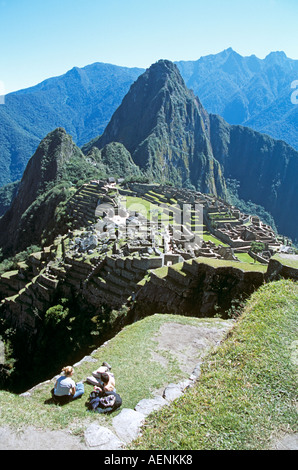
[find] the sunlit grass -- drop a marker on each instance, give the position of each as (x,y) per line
(247,392)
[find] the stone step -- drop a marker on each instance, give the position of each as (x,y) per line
(115,288)
(157,280)
(129,275)
(104,288)
(75,275)
(59,272)
(117,280)
(90,189)
(84,203)
(174,285)
(24,298)
(84,212)
(190,267)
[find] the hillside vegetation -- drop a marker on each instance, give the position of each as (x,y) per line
(247,393)
(82,101)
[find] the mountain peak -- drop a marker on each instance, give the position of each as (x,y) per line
(160,72)
(276,56)
(44,170)
(45,166)
(165,64)
(165,128)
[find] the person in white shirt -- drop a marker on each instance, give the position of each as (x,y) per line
(65,385)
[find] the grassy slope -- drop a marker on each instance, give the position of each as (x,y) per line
(247,392)
(137,375)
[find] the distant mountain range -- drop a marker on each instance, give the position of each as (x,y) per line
(162,133)
(246,90)
(243,90)
(82,102)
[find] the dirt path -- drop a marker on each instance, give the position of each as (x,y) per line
(36,439)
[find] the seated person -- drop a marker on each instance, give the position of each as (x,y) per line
(65,388)
(102,377)
(107,383)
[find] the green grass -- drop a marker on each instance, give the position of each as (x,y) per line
(246,258)
(219,263)
(287,260)
(208,237)
(247,392)
(139,204)
(137,376)
(215,263)
(9,274)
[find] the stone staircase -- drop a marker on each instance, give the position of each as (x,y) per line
(31,301)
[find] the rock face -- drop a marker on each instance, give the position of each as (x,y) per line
(114,159)
(285,266)
(165,128)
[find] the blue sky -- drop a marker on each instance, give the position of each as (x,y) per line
(44,38)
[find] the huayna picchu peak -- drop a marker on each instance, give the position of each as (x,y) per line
(32,209)
(164,127)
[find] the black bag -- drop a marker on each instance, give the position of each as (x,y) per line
(104,402)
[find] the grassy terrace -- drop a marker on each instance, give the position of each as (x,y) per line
(286,260)
(246,258)
(247,393)
(215,263)
(219,263)
(138,374)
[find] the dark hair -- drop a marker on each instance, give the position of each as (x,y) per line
(105,377)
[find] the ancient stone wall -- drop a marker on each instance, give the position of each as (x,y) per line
(197,288)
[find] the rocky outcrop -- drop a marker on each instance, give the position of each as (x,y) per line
(32,210)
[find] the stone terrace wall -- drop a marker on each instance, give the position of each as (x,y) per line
(198,289)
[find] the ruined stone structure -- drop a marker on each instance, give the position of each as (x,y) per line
(112,253)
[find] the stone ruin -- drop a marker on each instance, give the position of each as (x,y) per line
(145,238)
